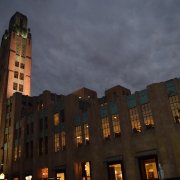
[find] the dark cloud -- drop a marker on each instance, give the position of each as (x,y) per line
(99,44)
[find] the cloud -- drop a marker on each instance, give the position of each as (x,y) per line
(99,44)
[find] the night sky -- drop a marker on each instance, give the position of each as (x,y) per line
(99,43)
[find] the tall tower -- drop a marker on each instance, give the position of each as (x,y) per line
(15,60)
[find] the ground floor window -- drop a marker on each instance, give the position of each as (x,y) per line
(149,168)
(28,177)
(44,173)
(86,170)
(60,176)
(115,171)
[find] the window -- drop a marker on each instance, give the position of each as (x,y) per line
(115,171)
(46,122)
(21,76)
(46,145)
(31,149)
(56,142)
(40,124)
(86,170)
(44,173)
(105,128)
(60,175)
(175,108)
(15,74)
(27,150)
(41,146)
(28,177)
(116,125)
(78,135)
(20,87)
(148,168)
(86,133)
(135,122)
(16,63)
(15,86)
(56,119)
(63,140)
(15,153)
(147,116)
(22,66)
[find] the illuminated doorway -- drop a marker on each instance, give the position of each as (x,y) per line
(148,168)
(60,176)
(115,171)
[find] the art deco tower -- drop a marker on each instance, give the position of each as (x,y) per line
(15,59)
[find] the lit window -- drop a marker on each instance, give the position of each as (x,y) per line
(86,170)
(105,128)
(15,86)
(147,116)
(86,133)
(60,176)
(56,119)
(28,177)
(21,76)
(116,125)
(44,173)
(135,122)
(78,135)
(149,168)
(115,171)
(20,87)
(63,140)
(56,142)
(15,74)
(175,108)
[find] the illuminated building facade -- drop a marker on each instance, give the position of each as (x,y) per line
(15,60)
(120,136)
(15,64)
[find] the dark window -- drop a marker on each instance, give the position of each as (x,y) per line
(22,66)
(20,87)
(27,150)
(15,74)
(27,129)
(40,146)
(16,63)
(15,86)
(21,76)
(31,149)
(40,124)
(46,145)
(46,122)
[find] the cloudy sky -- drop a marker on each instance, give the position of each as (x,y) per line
(99,43)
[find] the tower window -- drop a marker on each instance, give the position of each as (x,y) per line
(21,88)
(135,121)
(16,63)
(21,76)
(105,127)
(15,74)
(15,86)
(22,66)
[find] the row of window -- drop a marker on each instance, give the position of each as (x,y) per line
(148,167)
(15,87)
(21,65)
(18,75)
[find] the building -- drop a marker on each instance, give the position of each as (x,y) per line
(120,136)
(15,59)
